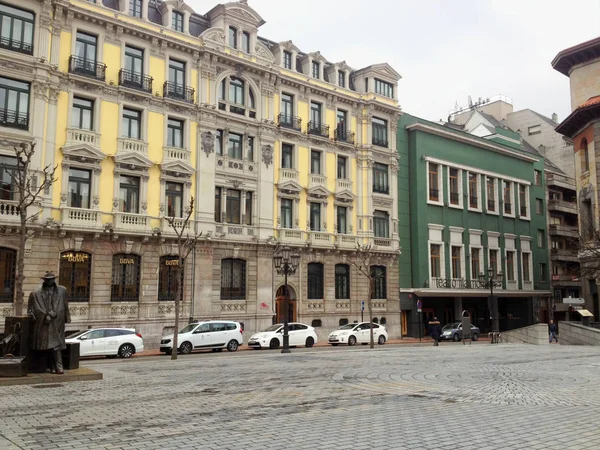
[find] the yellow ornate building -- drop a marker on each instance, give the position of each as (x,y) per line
(143,104)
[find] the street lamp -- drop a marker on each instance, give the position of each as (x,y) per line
(491,280)
(286,263)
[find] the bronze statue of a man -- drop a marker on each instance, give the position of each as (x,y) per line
(49,311)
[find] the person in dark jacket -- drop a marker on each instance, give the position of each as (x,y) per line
(552,330)
(435,331)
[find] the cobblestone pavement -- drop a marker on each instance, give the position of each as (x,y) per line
(452,396)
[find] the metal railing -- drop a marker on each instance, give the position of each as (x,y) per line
(87,67)
(178,92)
(135,80)
(14,119)
(381,188)
(454,198)
(16,46)
(381,142)
(341,134)
(318,129)
(287,121)
(434,194)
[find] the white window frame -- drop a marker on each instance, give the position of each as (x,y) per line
(527,202)
(512,199)
(478,189)
(496,199)
(460,187)
(462,261)
(440,202)
(436,237)
(527,284)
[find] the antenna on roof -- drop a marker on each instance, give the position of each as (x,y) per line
(470,102)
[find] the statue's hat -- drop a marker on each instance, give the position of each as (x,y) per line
(49,276)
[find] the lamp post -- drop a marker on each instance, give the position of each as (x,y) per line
(491,280)
(286,263)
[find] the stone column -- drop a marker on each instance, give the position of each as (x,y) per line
(458,308)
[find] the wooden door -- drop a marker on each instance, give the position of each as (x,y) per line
(280,309)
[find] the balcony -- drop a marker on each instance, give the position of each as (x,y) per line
(15,45)
(288,174)
(564,254)
(291,236)
(342,135)
(10,212)
(134,80)
(560,181)
(320,239)
(562,206)
(317,180)
(345,241)
(178,92)
(81,218)
(87,68)
(79,136)
(129,145)
(563,230)
(14,119)
(386,243)
(318,129)
(291,122)
(176,154)
(343,185)
(380,142)
(233,230)
(566,280)
(128,222)
(179,223)
(237,109)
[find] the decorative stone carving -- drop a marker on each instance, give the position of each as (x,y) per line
(267,155)
(208,143)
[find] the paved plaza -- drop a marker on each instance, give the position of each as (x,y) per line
(394,397)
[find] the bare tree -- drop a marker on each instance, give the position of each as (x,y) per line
(186,243)
(361,259)
(26,188)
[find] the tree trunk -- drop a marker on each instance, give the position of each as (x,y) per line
(371,340)
(19,300)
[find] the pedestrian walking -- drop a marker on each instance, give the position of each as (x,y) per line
(552,330)
(435,331)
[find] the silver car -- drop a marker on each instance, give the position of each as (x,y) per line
(454,331)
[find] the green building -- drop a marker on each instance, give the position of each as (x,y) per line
(469,206)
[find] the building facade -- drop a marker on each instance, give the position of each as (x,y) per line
(144,104)
(478,212)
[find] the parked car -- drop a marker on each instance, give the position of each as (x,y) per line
(212,335)
(272,337)
(454,331)
(110,342)
(360,333)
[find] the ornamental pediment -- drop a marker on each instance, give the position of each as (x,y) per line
(345,196)
(132,161)
(290,187)
(213,37)
(81,152)
(177,168)
(318,192)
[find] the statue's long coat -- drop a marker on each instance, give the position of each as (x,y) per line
(53,302)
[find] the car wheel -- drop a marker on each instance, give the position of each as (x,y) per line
(455,337)
(274,344)
(232,346)
(351,340)
(309,342)
(335,345)
(381,340)
(126,350)
(475,336)
(185,348)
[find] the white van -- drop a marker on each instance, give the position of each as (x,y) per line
(212,335)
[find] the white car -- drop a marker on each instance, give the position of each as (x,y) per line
(212,335)
(360,333)
(272,337)
(123,342)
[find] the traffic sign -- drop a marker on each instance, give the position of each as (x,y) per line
(363,306)
(419,304)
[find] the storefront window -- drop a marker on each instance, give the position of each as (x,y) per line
(75,274)
(125,285)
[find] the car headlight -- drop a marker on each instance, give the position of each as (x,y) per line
(446,333)
(165,341)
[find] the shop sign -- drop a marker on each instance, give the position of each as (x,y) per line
(126,261)
(75,257)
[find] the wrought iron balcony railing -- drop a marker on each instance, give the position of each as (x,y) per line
(381,142)
(318,129)
(14,119)
(135,80)
(434,195)
(16,46)
(454,198)
(287,121)
(178,92)
(381,188)
(341,134)
(87,67)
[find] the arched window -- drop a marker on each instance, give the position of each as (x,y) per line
(8,265)
(378,273)
(584,155)
(315,281)
(167,278)
(125,285)
(237,97)
(233,279)
(342,281)
(75,275)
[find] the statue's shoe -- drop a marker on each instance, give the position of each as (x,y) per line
(60,372)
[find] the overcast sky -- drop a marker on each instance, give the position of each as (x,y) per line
(445,50)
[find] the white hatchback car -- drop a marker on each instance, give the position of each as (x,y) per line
(272,337)
(110,342)
(212,335)
(354,333)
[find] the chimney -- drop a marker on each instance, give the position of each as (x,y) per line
(554,117)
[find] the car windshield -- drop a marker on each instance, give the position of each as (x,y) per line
(189,328)
(348,326)
(273,328)
(450,326)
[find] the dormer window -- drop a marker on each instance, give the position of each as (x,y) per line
(233,37)
(246,42)
(236,97)
(135,8)
(341,78)
(383,88)
(177,21)
(316,69)
(287,60)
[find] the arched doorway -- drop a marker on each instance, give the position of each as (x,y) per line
(280,304)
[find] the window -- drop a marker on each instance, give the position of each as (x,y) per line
(475,267)
(341,78)
(134,64)
(341,219)
(342,162)
(380,178)
(456,262)
(522,200)
(315,115)
(538,177)
(86,50)
(378,273)
(541,238)
(75,274)
(234,149)
(16,29)
(125,284)
(8,265)
(494,261)
(341,131)
(454,186)
(526,267)
(507,198)
(287,59)
(315,216)
(539,206)
(83,113)
(535,129)
(287,156)
(435,260)
(510,266)
(434,185)
(233,279)
(177,75)
(491,194)
(232,206)
(178,21)
(315,162)
(219,143)
(342,281)
(175,133)
(218,204)
(174,199)
(248,210)
(381,224)
(135,8)
(129,194)
(8,188)
(250,149)
(233,37)
(79,188)
(543,273)
(383,88)
(287,108)
(168,284)
(473,190)
(246,42)
(131,123)
(236,91)
(380,132)
(316,69)
(14,103)
(315,281)
(584,155)
(286,213)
